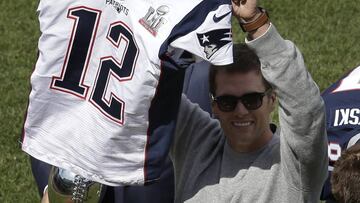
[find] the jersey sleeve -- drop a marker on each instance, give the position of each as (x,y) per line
(205,31)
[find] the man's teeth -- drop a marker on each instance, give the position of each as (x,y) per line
(242,124)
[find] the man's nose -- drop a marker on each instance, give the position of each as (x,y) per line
(240,109)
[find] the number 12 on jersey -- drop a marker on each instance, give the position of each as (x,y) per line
(71,80)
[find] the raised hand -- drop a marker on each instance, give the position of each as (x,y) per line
(245,9)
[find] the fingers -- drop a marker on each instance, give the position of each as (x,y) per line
(45,198)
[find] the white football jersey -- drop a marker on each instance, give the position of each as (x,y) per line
(105,91)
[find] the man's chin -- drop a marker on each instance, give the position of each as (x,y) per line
(241,142)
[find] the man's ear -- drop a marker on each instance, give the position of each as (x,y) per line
(214,108)
(272,99)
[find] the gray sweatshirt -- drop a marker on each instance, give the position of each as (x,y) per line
(290,168)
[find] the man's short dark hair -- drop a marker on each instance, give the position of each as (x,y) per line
(245,60)
(345,179)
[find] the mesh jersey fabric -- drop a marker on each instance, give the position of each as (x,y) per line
(105,90)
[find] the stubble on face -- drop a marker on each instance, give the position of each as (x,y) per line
(245,130)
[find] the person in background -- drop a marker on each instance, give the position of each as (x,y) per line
(345,179)
(238,156)
(342,102)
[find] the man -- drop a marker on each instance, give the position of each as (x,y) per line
(345,179)
(239,156)
(342,101)
(103,78)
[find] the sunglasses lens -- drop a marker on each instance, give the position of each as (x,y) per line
(227,103)
(252,101)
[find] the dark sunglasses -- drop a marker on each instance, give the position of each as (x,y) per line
(251,101)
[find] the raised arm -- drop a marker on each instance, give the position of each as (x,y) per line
(301,109)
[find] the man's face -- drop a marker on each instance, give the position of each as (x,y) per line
(245,130)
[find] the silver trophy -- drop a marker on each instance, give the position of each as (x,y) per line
(67,187)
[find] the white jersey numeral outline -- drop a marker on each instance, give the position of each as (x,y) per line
(334,153)
(79,52)
(78,56)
